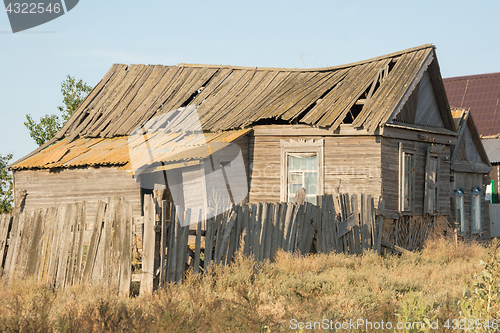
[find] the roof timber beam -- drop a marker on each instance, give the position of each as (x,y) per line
(419,133)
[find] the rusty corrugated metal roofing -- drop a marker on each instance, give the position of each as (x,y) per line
(166,147)
(480,94)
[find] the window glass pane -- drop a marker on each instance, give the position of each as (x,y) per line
(433,168)
(460,212)
(311,200)
(433,162)
(476,213)
(311,184)
(295,177)
(293,189)
(407,181)
(302,162)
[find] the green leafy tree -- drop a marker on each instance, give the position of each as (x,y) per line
(74,92)
(6,185)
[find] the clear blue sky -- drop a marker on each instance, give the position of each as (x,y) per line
(86,41)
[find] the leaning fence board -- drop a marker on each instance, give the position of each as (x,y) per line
(280,222)
(182,244)
(197,245)
(126,259)
(163,241)
(148,245)
(287,225)
(235,235)
(94,242)
(5,222)
(209,237)
(380,224)
(172,253)
(226,233)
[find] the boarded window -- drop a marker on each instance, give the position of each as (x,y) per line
(406,181)
(476,211)
(303,173)
(459,211)
(431,200)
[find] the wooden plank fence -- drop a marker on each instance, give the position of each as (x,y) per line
(47,245)
(258,230)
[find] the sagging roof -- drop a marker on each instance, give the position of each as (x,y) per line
(469,152)
(172,149)
(229,97)
(492,146)
(365,94)
(480,94)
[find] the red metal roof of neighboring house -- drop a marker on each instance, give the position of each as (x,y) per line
(480,94)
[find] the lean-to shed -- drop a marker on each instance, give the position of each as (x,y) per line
(382,126)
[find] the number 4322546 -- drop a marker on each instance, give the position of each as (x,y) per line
(33,8)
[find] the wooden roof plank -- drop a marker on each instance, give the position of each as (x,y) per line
(208,109)
(384,90)
(95,109)
(218,118)
(405,83)
(147,94)
(153,101)
(107,109)
(80,111)
(312,117)
(310,97)
(365,76)
(243,97)
(295,94)
(135,92)
(250,96)
(272,96)
(378,106)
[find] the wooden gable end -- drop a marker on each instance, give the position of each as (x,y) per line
(466,149)
(469,154)
(421,108)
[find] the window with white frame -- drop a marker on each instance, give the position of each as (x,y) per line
(406,179)
(476,211)
(459,210)
(302,173)
(301,167)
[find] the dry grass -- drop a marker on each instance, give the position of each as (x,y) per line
(253,297)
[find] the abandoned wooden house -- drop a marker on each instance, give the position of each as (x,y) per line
(469,172)
(382,126)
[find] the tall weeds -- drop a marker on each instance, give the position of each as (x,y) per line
(260,297)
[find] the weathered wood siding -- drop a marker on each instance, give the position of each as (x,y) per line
(61,186)
(351,165)
(390,176)
(467,181)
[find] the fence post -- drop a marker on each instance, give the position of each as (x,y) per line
(163,245)
(148,246)
(380,224)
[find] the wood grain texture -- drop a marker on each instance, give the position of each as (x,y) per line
(46,188)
